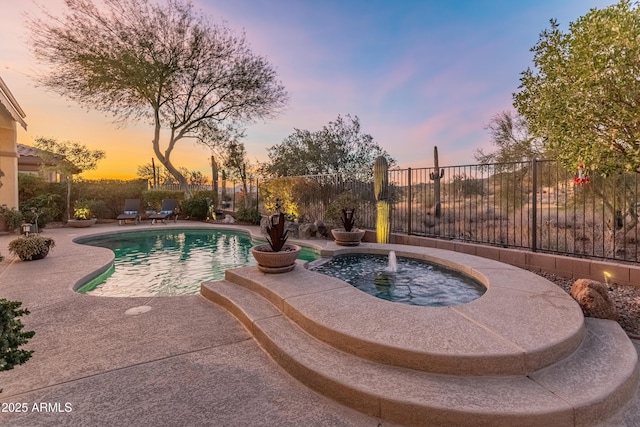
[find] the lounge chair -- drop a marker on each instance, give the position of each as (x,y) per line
(169,209)
(131,211)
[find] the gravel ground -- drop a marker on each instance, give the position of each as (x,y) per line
(625,297)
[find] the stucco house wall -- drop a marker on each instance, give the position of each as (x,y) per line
(10,115)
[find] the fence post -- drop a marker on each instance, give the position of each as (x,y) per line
(534,209)
(409,202)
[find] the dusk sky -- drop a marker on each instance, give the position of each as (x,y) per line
(416,73)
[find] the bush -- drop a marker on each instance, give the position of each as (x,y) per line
(197,206)
(250,215)
(12,336)
(30,186)
(12,217)
(109,194)
(345,200)
(45,207)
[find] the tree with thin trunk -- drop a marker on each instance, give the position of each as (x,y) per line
(164,63)
(68,159)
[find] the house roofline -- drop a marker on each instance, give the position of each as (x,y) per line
(9,102)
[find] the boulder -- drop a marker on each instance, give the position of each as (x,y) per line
(292,228)
(228,219)
(594,300)
(265,221)
(321,228)
(307,231)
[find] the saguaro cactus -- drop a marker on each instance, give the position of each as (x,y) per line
(436,175)
(381,190)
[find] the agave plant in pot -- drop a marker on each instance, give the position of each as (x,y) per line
(349,235)
(276,256)
(31,247)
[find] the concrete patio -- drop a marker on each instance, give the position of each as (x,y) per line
(186,361)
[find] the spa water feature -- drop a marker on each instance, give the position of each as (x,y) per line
(404,280)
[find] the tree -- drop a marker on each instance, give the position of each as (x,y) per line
(339,147)
(165,178)
(67,158)
(167,64)
(511,139)
(237,163)
(584,95)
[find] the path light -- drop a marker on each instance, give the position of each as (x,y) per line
(607,279)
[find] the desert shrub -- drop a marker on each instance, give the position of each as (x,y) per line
(197,206)
(45,207)
(152,199)
(248,214)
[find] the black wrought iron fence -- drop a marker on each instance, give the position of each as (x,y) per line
(536,205)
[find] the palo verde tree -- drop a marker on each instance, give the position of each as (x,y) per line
(583,96)
(583,99)
(511,140)
(68,158)
(237,163)
(339,147)
(164,63)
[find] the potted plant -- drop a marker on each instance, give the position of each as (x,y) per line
(349,235)
(31,247)
(10,219)
(276,256)
(81,215)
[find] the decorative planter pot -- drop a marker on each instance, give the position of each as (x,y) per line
(347,238)
(276,262)
(40,255)
(81,223)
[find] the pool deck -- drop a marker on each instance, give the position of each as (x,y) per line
(186,361)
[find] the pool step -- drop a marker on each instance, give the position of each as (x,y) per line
(583,389)
(544,326)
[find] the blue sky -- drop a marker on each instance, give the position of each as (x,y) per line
(416,73)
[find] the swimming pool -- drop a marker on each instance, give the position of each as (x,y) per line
(170,262)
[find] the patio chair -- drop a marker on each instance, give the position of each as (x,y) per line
(131,211)
(169,209)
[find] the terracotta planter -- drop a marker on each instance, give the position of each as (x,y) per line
(347,238)
(81,223)
(276,262)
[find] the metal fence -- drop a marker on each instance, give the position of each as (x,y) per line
(536,205)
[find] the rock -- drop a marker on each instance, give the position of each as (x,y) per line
(292,228)
(265,221)
(321,228)
(594,300)
(307,231)
(228,219)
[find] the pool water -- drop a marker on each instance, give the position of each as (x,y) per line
(415,282)
(171,262)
